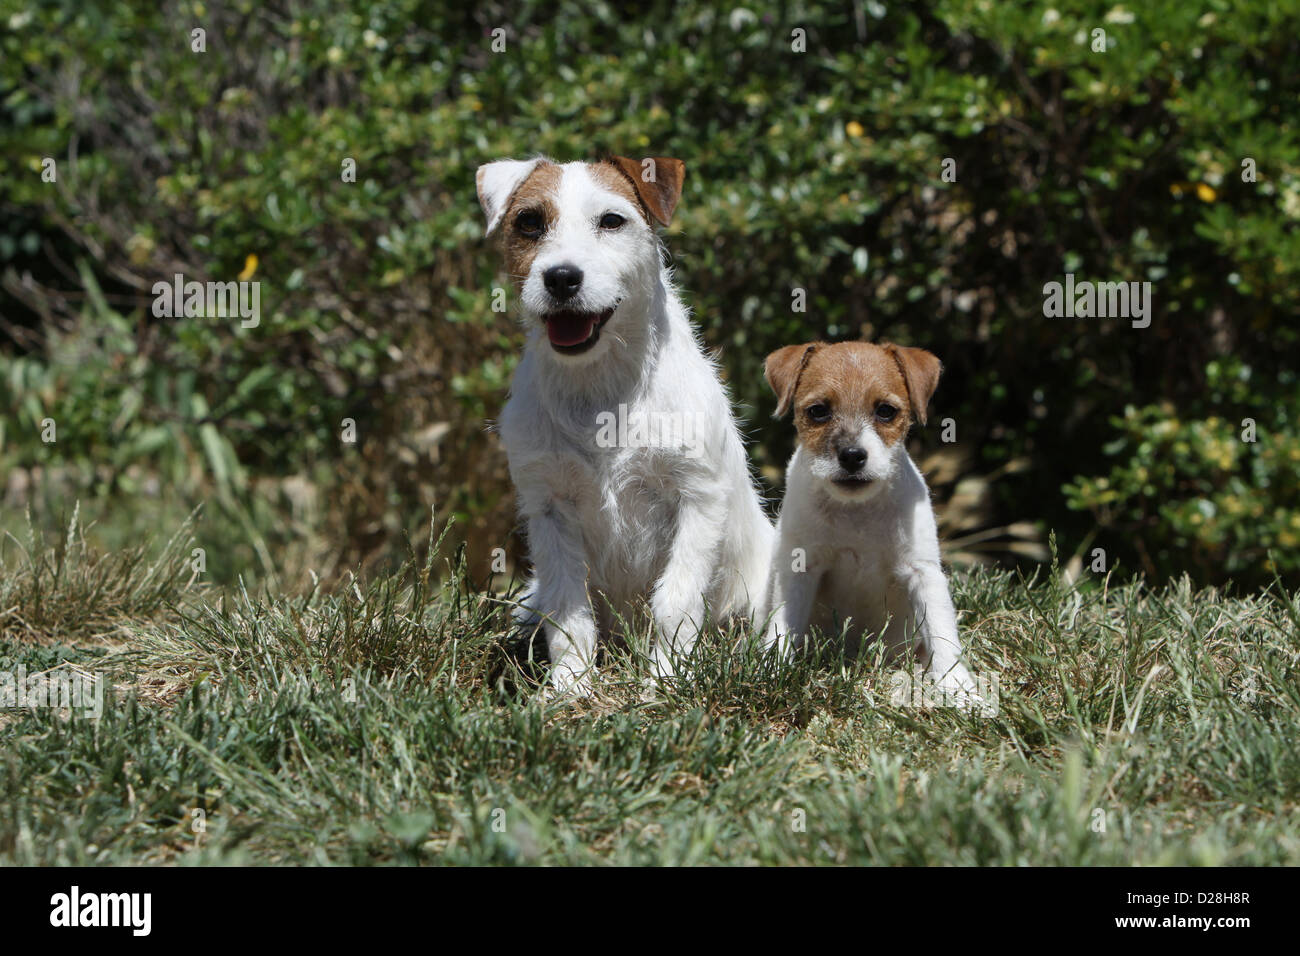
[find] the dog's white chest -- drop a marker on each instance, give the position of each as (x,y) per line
(854,584)
(624,499)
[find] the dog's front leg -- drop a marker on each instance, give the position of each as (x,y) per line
(793,592)
(561,599)
(933,623)
(678,599)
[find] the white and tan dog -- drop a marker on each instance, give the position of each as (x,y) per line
(618,511)
(856,539)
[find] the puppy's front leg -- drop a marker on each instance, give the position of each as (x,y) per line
(560,597)
(933,622)
(793,592)
(678,599)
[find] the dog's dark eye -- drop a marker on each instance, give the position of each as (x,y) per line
(819,412)
(611,220)
(886,412)
(529,223)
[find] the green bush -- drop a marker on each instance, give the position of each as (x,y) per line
(818,170)
(1213,495)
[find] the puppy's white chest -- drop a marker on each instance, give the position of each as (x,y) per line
(854,583)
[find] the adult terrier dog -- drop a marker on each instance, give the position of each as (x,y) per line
(617,516)
(856,538)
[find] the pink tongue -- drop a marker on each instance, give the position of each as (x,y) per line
(570,328)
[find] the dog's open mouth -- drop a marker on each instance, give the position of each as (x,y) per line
(573,332)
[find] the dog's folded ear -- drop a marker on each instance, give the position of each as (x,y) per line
(782,370)
(658,182)
(497,182)
(921,374)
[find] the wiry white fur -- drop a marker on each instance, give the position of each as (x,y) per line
(881,467)
(612,528)
(869,556)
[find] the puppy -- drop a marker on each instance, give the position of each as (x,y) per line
(629,468)
(856,539)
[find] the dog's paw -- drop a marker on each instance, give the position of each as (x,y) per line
(781,642)
(650,690)
(666,665)
(571,681)
(773,638)
(678,628)
(524,613)
(678,612)
(957,689)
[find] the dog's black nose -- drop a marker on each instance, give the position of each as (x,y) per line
(852,459)
(562,282)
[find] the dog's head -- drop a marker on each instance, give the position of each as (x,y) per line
(580,241)
(853,404)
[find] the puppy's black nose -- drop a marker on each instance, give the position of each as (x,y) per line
(562,282)
(852,459)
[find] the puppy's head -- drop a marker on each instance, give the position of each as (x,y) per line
(853,403)
(580,242)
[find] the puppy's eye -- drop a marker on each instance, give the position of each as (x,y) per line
(886,412)
(611,220)
(529,223)
(818,412)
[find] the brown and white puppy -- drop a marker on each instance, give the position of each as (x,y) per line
(629,468)
(857,539)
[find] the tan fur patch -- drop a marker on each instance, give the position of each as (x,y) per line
(537,192)
(657,199)
(609,176)
(854,379)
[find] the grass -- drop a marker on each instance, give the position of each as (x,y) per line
(399,721)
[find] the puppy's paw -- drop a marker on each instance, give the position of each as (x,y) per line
(957,688)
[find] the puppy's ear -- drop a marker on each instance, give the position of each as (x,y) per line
(658,181)
(782,370)
(921,374)
(497,182)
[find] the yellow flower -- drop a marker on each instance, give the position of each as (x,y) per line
(854,129)
(1205,192)
(250,266)
(140,249)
